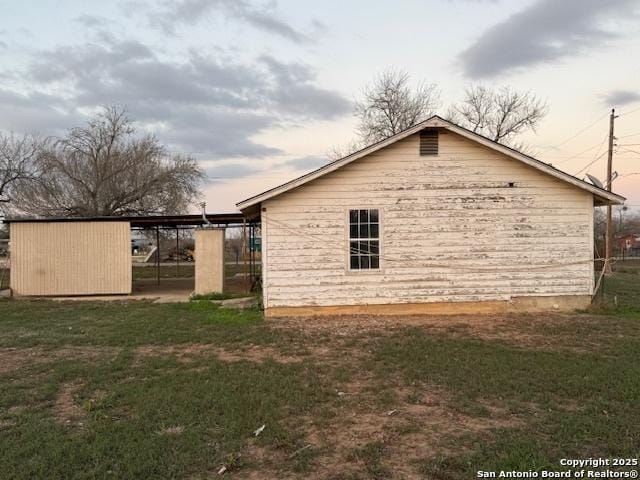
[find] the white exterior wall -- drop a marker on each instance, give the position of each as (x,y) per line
(451,230)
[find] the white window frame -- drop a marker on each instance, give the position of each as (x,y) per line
(366,271)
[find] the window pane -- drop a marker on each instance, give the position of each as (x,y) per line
(364,254)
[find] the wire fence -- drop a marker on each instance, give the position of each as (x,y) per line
(621,290)
(4,278)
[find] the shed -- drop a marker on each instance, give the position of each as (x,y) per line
(69,256)
(435,219)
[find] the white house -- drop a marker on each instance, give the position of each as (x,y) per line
(436,219)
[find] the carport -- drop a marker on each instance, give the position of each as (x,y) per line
(88,256)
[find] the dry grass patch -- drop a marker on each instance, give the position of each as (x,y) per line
(12,359)
(552,331)
(420,425)
(187,353)
(173,430)
(65,409)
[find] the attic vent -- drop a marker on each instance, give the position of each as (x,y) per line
(428,142)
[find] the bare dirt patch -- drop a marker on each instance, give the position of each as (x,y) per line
(529,331)
(65,408)
(187,353)
(408,433)
(16,358)
(7,424)
(173,430)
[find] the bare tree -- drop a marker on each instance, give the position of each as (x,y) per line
(18,162)
(106,169)
(234,244)
(599,232)
(499,114)
(390,105)
(340,151)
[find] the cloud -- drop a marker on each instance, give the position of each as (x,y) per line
(230,171)
(617,98)
(92,21)
(544,32)
(297,95)
(35,113)
(176,13)
(310,162)
(206,104)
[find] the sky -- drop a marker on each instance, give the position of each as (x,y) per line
(259,92)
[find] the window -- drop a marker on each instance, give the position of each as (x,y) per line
(364,239)
(428,142)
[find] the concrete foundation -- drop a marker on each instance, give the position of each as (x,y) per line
(209,253)
(564,303)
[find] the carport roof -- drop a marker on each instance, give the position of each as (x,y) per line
(147,221)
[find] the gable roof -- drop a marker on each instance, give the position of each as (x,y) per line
(604,197)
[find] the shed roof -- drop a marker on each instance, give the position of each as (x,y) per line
(144,221)
(601,196)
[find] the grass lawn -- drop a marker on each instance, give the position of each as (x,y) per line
(621,292)
(142,390)
(184,270)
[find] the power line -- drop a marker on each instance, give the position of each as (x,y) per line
(629,113)
(588,127)
(590,163)
(597,145)
(631,151)
(630,135)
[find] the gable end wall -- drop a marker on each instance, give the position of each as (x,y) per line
(452,231)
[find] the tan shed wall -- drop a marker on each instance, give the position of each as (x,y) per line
(71,258)
(209,260)
(452,230)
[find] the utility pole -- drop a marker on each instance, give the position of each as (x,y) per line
(609,239)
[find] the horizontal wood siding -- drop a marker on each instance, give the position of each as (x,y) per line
(83,258)
(452,230)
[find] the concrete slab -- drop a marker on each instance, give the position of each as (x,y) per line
(170,290)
